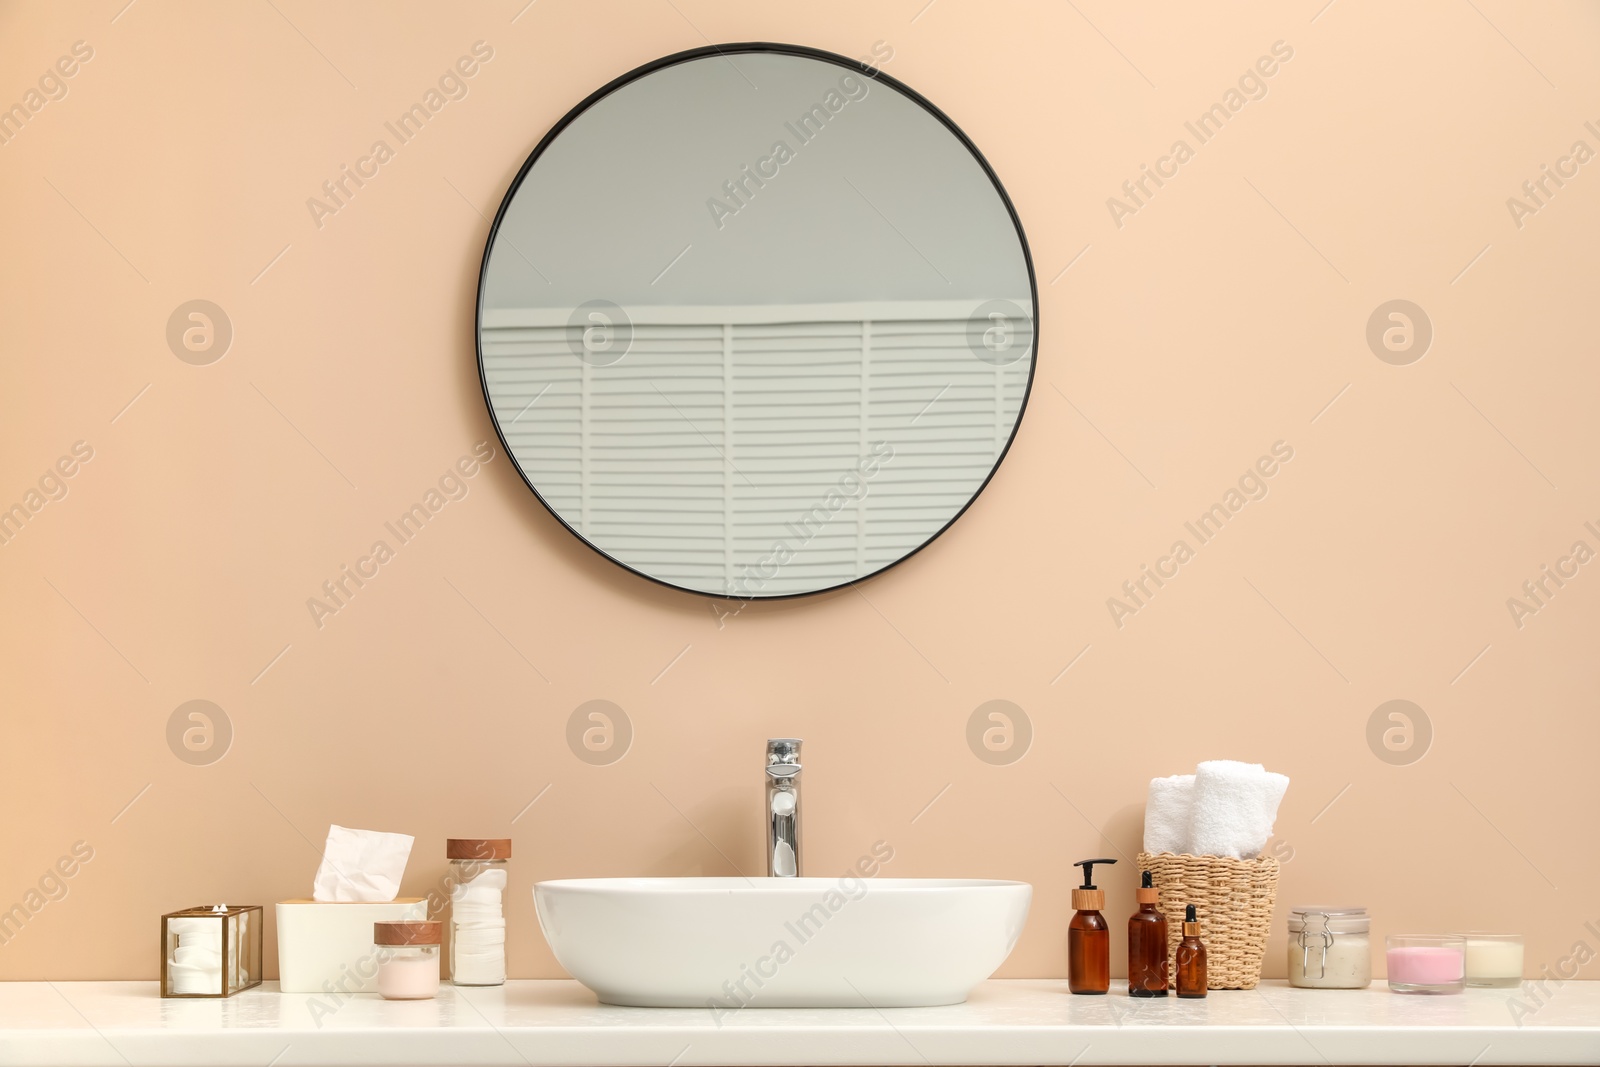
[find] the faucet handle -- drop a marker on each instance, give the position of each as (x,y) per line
(783,757)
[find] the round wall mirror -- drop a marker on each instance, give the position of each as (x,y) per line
(756,321)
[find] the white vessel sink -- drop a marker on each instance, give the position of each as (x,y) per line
(728,943)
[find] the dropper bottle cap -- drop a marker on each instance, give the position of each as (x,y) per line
(1191,925)
(1088,897)
(1147,893)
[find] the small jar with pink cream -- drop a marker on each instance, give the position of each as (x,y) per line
(408,958)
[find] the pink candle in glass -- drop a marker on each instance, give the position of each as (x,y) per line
(1426,963)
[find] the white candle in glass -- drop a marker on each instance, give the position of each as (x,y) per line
(1494,959)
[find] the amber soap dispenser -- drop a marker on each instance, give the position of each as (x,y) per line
(1147,944)
(1191,958)
(1088,937)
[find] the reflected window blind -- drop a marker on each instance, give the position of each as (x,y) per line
(724,451)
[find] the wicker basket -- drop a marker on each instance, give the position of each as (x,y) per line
(1233,900)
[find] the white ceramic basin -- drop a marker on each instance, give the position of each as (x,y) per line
(728,943)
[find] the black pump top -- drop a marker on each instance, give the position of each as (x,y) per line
(1145,882)
(1088,872)
(1188,914)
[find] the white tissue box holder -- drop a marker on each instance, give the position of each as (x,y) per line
(322,942)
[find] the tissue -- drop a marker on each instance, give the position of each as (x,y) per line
(361,865)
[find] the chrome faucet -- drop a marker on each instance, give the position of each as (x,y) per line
(783,807)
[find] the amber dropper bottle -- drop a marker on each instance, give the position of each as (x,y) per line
(1147,944)
(1089,937)
(1191,958)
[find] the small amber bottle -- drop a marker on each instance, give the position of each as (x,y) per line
(1089,937)
(1191,959)
(1147,944)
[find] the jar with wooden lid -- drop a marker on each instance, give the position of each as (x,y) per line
(408,958)
(478,871)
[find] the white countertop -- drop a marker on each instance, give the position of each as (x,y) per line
(1034,1021)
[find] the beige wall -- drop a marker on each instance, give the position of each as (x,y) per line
(1226,314)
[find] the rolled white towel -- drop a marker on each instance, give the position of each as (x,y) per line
(1167,812)
(1234,807)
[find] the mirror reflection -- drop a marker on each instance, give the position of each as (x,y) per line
(756,323)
